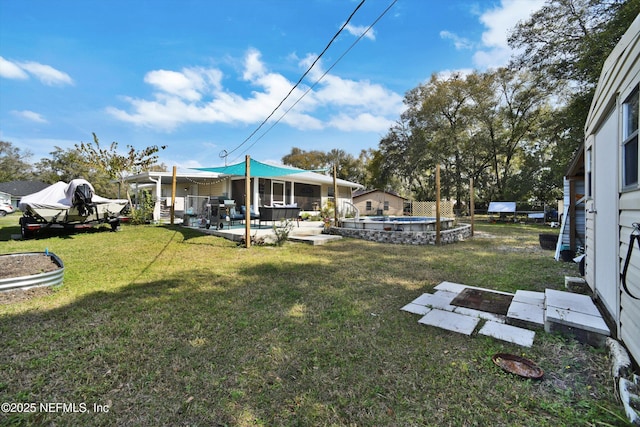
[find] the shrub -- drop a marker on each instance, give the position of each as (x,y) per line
(282,229)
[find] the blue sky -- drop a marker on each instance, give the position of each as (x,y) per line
(199,76)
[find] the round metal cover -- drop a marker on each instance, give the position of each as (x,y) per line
(518,365)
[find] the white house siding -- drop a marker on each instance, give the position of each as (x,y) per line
(619,77)
(630,308)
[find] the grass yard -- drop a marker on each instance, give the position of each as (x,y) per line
(165,326)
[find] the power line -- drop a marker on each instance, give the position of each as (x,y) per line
(320,78)
(300,80)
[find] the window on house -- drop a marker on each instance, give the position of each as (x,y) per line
(369,207)
(630,141)
(386,205)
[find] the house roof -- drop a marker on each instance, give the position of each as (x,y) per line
(621,63)
(576,167)
(22,188)
(361,193)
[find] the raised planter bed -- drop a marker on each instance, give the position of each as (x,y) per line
(30,269)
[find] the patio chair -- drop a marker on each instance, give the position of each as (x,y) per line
(235,216)
(252,213)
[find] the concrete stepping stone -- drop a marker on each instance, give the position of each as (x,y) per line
(457,288)
(438,300)
(575,314)
(570,301)
(450,321)
(450,287)
(529,297)
(577,320)
(416,309)
(512,334)
(525,315)
(481,314)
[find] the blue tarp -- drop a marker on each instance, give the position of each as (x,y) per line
(257,168)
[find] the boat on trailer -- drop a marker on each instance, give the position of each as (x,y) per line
(70,206)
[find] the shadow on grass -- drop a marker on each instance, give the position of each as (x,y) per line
(285,343)
(286,339)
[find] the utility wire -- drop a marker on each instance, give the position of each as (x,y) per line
(321,77)
(300,80)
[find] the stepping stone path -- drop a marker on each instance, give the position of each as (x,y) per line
(552,310)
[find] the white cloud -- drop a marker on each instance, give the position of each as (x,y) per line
(365,122)
(196,95)
(9,70)
(449,74)
(46,73)
(30,115)
(500,21)
(358,30)
(190,84)
(253,65)
(460,43)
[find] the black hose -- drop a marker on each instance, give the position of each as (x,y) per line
(635,235)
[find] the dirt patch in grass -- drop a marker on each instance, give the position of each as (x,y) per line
(25,265)
(20,295)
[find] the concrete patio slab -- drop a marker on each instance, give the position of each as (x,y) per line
(525,315)
(422,299)
(577,320)
(441,301)
(529,297)
(450,321)
(565,312)
(569,301)
(457,288)
(450,287)
(512,334)
(416,309)
(316,239)
(481,314)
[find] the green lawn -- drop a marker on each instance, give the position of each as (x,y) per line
(165,326)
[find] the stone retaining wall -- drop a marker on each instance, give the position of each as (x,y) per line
(459,233)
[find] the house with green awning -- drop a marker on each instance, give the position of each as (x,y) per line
(269,185)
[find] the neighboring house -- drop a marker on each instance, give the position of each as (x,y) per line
(17,189)
(572,228)
(612,177)
(378,202)
(270,185)
(5,197)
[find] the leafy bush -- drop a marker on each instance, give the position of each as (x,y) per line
(144,210)
(282,229)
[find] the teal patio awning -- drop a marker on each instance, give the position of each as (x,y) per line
(258,169)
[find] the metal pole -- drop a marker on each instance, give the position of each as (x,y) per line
(472,205)
(438,227)
(247,200)
(335,197)
(173,195)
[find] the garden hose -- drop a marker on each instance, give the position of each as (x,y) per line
(635,235)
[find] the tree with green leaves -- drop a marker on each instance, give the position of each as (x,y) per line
(308,160)
(566,42)
(348,167)
(480,126)
(118,166)
(14,163)
(67,164)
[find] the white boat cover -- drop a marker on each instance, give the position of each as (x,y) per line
(60,196)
